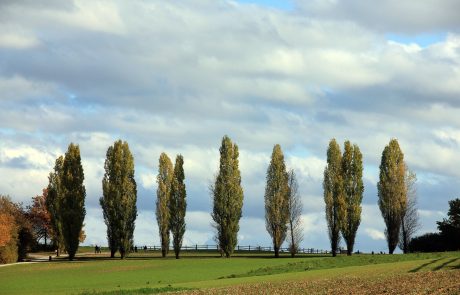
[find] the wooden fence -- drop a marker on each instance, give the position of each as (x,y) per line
(238,248)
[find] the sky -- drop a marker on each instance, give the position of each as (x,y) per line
(176,76)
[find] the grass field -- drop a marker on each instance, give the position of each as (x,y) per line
(208,273)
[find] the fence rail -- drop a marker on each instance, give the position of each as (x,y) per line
(239,248)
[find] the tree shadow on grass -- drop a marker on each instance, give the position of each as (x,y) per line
(439,267)
(425,265)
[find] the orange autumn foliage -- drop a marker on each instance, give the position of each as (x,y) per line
(6,228)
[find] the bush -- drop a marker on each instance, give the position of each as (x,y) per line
(430,242)
(8,239)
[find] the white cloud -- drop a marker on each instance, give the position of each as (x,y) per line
(16,41)
(374,234)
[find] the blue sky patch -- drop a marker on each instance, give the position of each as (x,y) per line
(423,40)
(279,4)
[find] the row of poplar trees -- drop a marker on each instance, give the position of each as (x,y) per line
(171,203)
(283,207)
(343,194)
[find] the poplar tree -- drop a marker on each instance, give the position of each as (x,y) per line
(410,219)
(352,173)
(178,205)
(72,205)
(277,199)
(392,192)
(119,198)
(227,195)
(295,235)
(164,179)
(53,200)
(334,195)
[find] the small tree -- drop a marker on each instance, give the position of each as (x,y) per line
(72,205)
(164,179)
(334,196)
(277,199)
(178,205)
(119,198)
(352,175)
(227,195)
(410,219)
(40,217)
(392,192)
(295,235)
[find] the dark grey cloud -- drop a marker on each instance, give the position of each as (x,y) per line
(409,17)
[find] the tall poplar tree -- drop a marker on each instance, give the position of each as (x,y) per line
(334,194)
(164,179)
(178,205)
(53,200)
(277,199)
(352,173)
(227,195)
(119,198)
(295,235)
(392,191)
(72,205)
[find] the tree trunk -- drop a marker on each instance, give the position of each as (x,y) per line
(293,246)
(112,253)
(277,251)
(349,249)
(163,252)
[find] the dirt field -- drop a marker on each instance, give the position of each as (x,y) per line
(431,282)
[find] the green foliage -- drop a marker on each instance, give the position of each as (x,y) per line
(164,180)
(72,203)
(392,191)
(178,205)
(119,198)
(277,199)
(450,227)
(53,201)
(227,195)
(352,174)
(334,195)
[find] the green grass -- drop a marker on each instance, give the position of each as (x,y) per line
(147,273)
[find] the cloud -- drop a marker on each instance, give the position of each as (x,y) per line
(16,41)
(374,234)
(389,15)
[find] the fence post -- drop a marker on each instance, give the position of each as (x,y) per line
(196,247)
